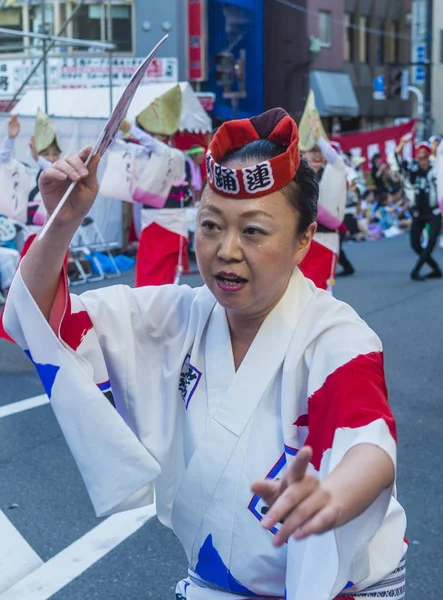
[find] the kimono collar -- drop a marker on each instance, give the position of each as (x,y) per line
(264,177)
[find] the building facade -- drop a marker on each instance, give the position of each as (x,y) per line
(437,67)
(335,47)
(131,25)
(377,41)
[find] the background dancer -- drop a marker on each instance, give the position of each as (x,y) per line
(320,263)
(45,151)
(422,176)
(194,162)
(162,251)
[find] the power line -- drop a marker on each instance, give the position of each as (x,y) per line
(315,13)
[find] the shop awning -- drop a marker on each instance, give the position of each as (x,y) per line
(334,94)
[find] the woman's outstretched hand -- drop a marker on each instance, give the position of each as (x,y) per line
(55,180)
(298,501)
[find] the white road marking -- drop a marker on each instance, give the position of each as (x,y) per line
(71,562)
(22,405)
(17,558)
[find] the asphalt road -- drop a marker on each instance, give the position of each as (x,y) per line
(42,494)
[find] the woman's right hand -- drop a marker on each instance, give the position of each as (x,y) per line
(55,180)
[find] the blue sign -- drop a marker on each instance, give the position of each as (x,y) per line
(420,74)
(379,83)
(379,88)
(420,53)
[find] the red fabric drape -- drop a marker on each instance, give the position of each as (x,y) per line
(158,256)
(319,265)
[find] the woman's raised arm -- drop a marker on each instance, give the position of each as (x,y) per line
(43,263)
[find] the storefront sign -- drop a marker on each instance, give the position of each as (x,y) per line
(79,72)
(197,40)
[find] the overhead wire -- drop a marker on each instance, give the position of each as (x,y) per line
(315,13)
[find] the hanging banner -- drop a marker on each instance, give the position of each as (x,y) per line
(82,72)
(197,40)
(379,141)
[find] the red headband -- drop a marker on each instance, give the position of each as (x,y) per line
(264,177)
(422,146)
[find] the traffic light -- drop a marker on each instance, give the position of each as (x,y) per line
(225,69)
(395,79)
(397,85)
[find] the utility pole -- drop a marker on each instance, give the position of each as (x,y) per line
(109,39)
(428,83)
(45,55)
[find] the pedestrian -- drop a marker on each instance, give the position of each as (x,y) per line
(421,175)
(256,404)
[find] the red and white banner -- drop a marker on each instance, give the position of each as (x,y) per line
(82,72)
(197,40)
(382,141)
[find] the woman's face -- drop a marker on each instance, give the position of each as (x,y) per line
(51,153)
(423,159)
(246,250)
(315,159)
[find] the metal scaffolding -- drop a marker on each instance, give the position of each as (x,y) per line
(49,41)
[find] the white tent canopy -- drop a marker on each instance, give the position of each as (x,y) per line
(94,103)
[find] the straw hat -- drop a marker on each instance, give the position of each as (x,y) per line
(162,116)
(44,133)
(307,140)
(358,161)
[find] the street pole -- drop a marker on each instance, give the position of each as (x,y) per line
(420,109)
(428,83)
(45,57)
(109,39)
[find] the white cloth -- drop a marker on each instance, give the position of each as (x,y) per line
(43,163)
(142,173)
(332,195)
(16,183)
(328,151)
(173,219)
(9,259)
(7,149)
(201,432)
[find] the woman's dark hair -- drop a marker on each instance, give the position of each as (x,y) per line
(301,192)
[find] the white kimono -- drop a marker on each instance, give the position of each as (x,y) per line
(187,424)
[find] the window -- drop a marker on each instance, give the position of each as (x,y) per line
(364,40)
(324,27)
(380,39)
(91,23)
(87,24)
(392,44)
(349,36)
(121,17)
(40,23)
(11,18)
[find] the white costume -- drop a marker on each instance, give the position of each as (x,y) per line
(332,197)
(320,263)
(187,424)
(19,186)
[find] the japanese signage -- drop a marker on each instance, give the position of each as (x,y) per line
(73,72)
(197,40)
(419,37)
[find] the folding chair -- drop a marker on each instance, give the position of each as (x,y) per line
(88,249)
